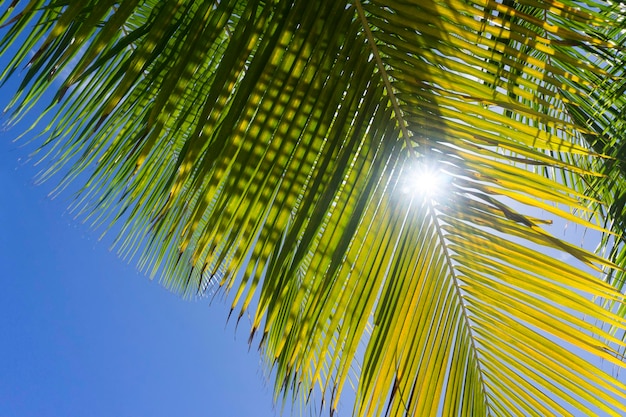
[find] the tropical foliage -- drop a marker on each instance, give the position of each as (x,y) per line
(272,150)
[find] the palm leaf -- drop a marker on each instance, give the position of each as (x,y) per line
(269,149)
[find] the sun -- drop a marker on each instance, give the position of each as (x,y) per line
(424,180)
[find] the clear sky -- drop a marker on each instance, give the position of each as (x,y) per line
(82,333)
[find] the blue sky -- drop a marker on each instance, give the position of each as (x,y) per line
(82,333)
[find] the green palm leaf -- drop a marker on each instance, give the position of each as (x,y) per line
(269,149)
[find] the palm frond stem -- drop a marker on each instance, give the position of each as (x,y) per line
(383,73)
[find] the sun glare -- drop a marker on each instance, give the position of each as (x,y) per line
(424,180)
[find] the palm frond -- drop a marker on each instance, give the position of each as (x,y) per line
(270,148)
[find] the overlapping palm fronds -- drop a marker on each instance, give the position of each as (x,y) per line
(270,149)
